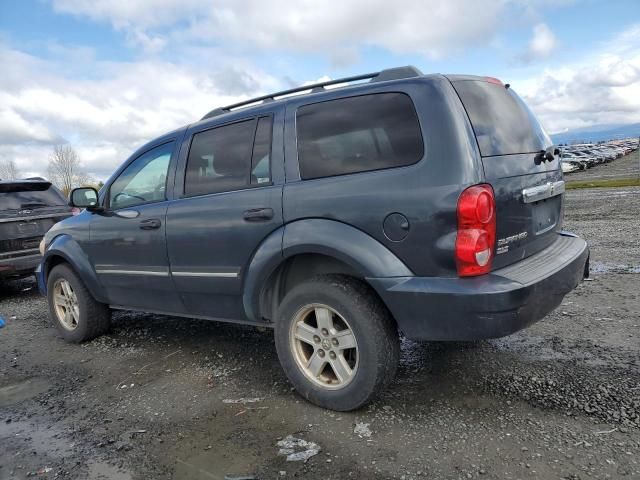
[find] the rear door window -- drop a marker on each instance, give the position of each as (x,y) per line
(230,157)
(502,122)
(29,196)
(261,158)
(358,134)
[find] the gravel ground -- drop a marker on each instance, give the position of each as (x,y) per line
(162,397)
(627,166)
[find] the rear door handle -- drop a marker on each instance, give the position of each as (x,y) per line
(257,214)
(150,224)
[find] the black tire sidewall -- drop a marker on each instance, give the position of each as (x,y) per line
(365,318)
(82,331)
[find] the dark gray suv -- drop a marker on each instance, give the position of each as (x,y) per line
(400,202)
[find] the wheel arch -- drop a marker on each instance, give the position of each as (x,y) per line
(311,247)
(64,249)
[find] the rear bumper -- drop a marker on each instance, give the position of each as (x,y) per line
(490,306)
(19,266)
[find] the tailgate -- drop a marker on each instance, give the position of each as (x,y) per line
(28,209)
(528,188)
(25,232)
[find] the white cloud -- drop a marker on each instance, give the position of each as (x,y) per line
(428,27)
(600,89)
(542,44)
(106,117)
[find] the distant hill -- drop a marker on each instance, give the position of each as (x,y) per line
(597,133)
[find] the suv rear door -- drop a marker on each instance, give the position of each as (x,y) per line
(528,190)
(228,200)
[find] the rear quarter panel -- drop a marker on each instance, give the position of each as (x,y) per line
(426,192)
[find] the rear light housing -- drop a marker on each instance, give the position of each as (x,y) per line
(476,236)
(495,80)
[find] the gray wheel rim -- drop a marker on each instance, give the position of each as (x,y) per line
(324,346)
(65,304)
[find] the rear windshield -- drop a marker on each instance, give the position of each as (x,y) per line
(20,196)
(502,122)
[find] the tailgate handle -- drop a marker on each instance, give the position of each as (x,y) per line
(548,190)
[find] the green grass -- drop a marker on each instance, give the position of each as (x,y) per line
(608,182)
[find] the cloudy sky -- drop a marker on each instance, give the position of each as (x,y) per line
(108,75)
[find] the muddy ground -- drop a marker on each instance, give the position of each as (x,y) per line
(167,398)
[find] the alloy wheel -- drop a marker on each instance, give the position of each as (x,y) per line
(324,346)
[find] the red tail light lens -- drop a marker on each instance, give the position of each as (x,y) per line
(494,80)
(476,239)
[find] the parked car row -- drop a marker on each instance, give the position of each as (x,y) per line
(586,155)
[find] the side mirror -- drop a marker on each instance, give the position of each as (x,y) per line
(84,197)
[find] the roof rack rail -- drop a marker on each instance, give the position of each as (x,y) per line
(382,76)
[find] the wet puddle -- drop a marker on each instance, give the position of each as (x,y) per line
(598,268)
(21,391)
(42,439)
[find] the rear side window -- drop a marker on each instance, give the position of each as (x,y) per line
(225,158)
(260,160)
(358,134)
(29,196)
(502,122)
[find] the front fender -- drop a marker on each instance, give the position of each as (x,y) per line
(343,242)
(65,247)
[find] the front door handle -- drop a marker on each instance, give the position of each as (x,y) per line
(150,224)
(258,214)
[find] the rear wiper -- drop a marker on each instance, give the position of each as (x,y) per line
(548,155)
(33,205)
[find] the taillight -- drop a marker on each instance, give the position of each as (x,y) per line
(476,239)
(494,80)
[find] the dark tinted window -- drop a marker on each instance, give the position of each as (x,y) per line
(220,159)
(358,134)
(29,196)
(502,122)
(261,159)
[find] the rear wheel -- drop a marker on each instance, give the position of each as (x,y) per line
(75,313)
(336,342)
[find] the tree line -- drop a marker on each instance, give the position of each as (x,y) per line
(64,170)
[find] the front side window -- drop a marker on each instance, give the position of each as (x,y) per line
(144,180)
(358,134)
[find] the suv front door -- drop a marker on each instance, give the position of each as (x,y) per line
(229,183)
(127,242)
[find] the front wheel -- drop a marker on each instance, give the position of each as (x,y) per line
(75,313)
(336,342)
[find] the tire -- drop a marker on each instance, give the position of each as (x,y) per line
(91,318)
(357,317)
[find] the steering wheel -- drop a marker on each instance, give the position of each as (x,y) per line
(115,199)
